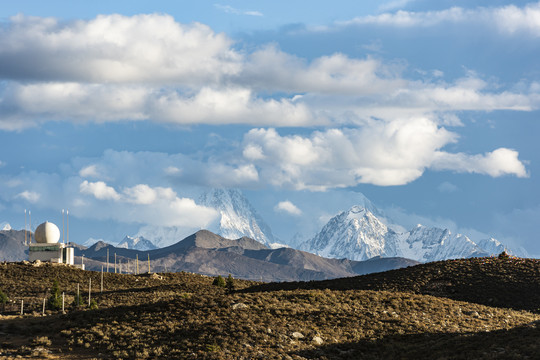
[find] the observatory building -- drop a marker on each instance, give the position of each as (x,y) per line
(47,248)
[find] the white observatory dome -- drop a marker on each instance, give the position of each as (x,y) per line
(47,233)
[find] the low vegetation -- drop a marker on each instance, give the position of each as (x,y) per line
(388,315)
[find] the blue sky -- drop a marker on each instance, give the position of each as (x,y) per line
(124,112)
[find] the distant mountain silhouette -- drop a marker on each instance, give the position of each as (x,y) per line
(12,245)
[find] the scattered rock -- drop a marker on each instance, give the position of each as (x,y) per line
(317,340)
(239,306)
(297,335)
(472,313)
(36,263)
(156,276)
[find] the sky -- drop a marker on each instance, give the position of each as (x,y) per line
(124,112)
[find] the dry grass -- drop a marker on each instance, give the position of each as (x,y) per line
(183,316)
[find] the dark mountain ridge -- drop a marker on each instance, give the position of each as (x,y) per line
(207,253)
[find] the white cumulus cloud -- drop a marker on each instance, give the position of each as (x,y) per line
(381,153)
(99,190)
(115,48)
(497,163)
(143,204)
(89,171)
(288,207)
(30,196)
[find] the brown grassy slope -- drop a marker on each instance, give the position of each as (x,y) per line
(512,282)
(184,316)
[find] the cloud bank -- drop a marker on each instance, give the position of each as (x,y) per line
(152,68)
(508,19)
(375,125)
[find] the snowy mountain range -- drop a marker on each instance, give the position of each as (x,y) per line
(136,243)
(357,234)
(361,233)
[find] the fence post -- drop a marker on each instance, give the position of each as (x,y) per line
(43,311)
(101,278)
(63,300)
(22,307)
(89,291)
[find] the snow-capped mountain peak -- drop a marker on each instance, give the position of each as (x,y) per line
(237,217)
(356,234)
(4,226)
(136,243)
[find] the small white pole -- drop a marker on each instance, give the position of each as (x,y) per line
(63,300)
(78,296)
(89,290)
(115,263)
(43,311)
(22,307)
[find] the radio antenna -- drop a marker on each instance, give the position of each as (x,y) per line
(25,227)
(67,217)
(63,235)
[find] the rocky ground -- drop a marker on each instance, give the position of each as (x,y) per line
(439,310)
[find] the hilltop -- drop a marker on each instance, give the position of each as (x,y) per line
(509,282)
(182,315)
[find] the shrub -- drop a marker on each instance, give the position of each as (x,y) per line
(504,255)
(93,304)
(230,283)
(3,297)
(3,300)
(55,300)
(42,340)
(77,301)
(219,281)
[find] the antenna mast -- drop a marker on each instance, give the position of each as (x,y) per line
(30,215)
(63,235)
(67,217)
(25,227)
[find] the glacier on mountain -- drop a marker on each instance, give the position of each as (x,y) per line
(357,234)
